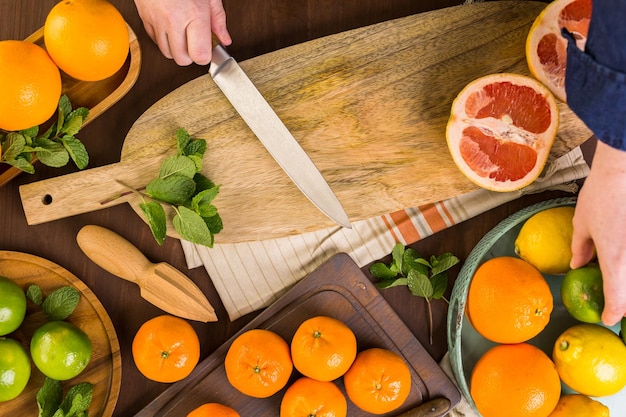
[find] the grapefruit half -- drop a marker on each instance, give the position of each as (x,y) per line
(546,48)
(501,129)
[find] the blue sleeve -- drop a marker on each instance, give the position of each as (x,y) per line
(595,79)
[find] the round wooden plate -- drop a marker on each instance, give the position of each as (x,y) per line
(104,369)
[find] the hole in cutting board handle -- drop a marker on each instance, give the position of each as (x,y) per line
(46,200)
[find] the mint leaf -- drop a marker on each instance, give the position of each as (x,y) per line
(182,140)
(192,227)
(61,303)
(51,153)
(388,283)
(214,223)
(155,214)
(76,151)
(77,400)
(202,183)
(22,164)
(178,164)
(173,189)
(13,146)
(381,271)
(49,397)
(443,262)
(195,148)
(34,294)
(419,284)
(440,285)
(201,202)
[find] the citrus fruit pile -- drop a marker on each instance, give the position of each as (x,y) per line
(260,363)
(85,39)
(502,126)
(59,349)
(509,302)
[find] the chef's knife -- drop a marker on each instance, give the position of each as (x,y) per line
(274,135)
(160,284)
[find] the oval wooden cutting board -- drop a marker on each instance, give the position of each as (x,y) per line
(105,367)
(369,106)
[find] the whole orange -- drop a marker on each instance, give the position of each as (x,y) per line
(515,380)
(213,410)
(166,349)
(379,381)
(258,363)
(87,39)
(323,348)
(30,84)
(508,301)
(310,397)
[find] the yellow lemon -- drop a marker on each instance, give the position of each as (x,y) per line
(591,359)
(579,405)
(545,240)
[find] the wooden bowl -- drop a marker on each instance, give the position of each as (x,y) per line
(97,96)
(104,369)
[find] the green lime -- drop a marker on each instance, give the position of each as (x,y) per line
(12,306)
(14,368)
(60,350)
(582,293)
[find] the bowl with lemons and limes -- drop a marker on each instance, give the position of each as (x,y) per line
(515,290)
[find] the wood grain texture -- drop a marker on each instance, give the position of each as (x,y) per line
(104,369)
(369,106)
(337,289)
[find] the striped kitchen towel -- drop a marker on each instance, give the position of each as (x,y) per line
(251,275)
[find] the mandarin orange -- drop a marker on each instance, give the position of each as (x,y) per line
(166,349)
(258,363)
(213,410)
(515,380)
(323,348)
(379,381)
(309,397)
(30,83)
(87,39)
(508,300)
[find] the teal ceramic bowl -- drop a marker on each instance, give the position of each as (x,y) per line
(466,345)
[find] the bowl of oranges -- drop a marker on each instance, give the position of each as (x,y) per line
(82,60)
(524,330)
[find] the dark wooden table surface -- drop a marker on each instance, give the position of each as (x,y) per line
(256,28)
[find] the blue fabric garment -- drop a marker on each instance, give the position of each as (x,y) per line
(595,79)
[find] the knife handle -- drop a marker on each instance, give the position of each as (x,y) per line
(113,253)
(432,408)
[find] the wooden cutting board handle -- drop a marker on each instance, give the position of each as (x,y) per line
(369,106)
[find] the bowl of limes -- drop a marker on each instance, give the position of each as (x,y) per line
(515,299)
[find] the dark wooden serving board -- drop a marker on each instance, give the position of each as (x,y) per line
(338,289)
(369,106)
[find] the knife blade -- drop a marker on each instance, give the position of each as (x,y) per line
(274,135)
(160,284)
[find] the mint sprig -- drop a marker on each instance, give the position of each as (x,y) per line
(426,278)
(76,403)
(180,185)
(59,304)
(55,147)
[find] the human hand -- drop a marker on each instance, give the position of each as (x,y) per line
(182,28)
(600,222)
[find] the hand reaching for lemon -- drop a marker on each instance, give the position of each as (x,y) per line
(182,29)
(600,221)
